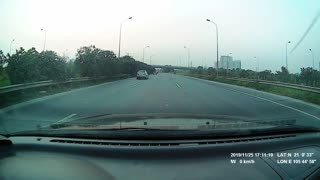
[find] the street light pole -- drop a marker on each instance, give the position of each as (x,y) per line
(188,55)
(312,58)
(257,58)
(257,68)
(287,55)
(228,64)
(217,43)
(64,53)
(143,53)
(11,45)
(150,58)
(45,39)
(120,35)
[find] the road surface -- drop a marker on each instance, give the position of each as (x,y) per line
(162,93)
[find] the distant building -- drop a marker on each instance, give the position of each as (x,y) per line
(237,64)
(226,62)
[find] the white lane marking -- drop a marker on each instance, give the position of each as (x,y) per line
(178,85)
(230,86)
(66,118)
(289,107)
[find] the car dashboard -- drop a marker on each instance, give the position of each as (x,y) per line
(261,157)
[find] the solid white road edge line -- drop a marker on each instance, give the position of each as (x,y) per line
(66,118)
(289,107)
(305,113)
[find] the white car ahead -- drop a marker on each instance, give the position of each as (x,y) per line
(142,74)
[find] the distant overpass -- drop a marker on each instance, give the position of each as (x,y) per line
(173,67)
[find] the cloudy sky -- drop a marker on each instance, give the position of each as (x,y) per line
(247,28)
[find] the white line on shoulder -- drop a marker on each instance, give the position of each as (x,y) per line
(305,113)
(66,118)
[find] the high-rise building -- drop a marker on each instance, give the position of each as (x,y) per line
(237,64)
(226,62)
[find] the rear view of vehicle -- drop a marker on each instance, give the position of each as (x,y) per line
(142,74)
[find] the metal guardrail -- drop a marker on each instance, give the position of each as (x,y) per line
(25,84)
(281,84)
(17,87)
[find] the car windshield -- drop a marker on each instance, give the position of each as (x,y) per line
(215,66)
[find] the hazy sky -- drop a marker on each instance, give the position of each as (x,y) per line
(247,28)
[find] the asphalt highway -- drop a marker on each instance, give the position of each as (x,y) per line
(162,93)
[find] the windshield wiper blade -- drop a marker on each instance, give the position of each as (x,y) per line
(103,127)
(142,133)
(136,128)
(294,128)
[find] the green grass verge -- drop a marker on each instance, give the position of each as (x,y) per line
(284,91)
